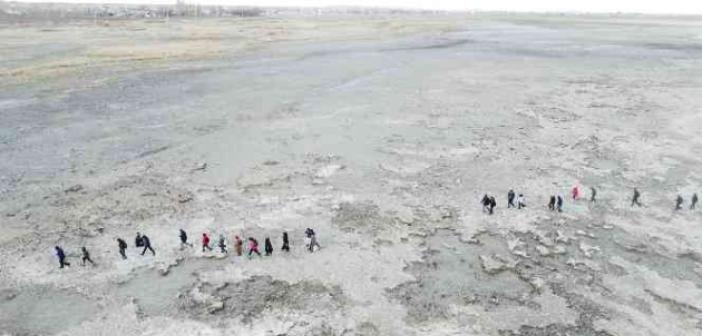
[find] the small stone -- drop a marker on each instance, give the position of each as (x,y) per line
(537,283)
(559,249)
(184,198)
(543,250)
(74,188)
(200,166)
(215,307)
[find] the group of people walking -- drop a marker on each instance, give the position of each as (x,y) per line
(85,256)
(555,202)
(252,244)
(489,203)
(143,241)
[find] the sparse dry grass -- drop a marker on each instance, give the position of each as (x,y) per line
(143,44)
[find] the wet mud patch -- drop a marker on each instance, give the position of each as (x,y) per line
(158,295)
(452,273)
(43,310)
(587,310)
(249,298)
(364,216)
(500,274)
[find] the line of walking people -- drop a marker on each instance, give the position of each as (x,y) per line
(555,202)
(143,241)
(489,203)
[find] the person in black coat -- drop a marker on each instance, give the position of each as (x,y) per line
(485,201)
(635,199)
(286,243)
(122,247)
(184,239)
(678,203)
(268,246)
(510,199)
(493,204)
(552,203)
(147,245)
(61,257)
(86,256)
(694,201)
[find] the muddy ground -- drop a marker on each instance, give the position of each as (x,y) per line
(382,133)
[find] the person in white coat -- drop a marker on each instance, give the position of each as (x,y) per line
(521,201)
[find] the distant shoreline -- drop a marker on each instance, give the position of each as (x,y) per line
(91,10)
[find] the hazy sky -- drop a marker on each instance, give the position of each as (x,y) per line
(640,6)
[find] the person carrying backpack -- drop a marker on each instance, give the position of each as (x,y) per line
(184,239)
(146,242)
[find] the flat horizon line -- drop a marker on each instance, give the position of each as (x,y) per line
(382,8)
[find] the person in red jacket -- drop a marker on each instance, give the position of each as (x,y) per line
(205,242)
(575,192)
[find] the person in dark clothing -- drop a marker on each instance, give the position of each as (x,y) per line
(138,241)
(222,244)
(552,203)
(146,242)
(86,256)
(309,232)
(286,243)
(485,202)
(205,242)
(635,199)
(693,201)
(678,203)
(122,247)
(510,199)
(313,240)
(559,203)
(61,257)
(493,204)
(184,239)
(268,246)
(593,193)
(253,247)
